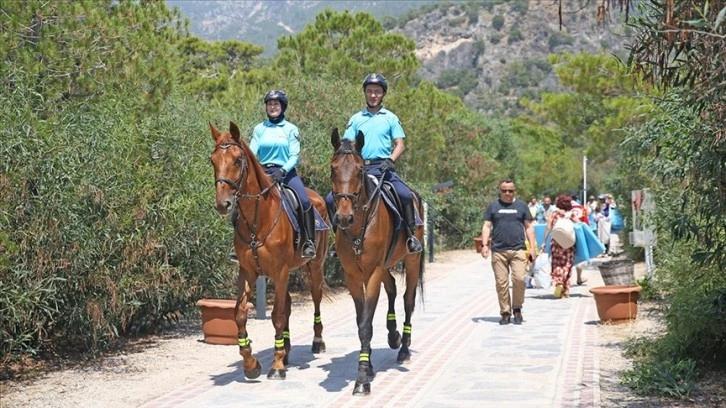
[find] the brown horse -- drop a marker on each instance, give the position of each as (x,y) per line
(368,247)
(263,242)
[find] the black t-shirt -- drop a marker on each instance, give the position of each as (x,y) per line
(507,224)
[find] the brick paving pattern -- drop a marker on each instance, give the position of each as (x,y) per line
(461,356)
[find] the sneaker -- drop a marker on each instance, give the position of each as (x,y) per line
(558,291)
(505,318)
(232,257)
(518,316)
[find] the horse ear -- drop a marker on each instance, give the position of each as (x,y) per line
(234,131)
(215,132)
(360,140)
(335,139)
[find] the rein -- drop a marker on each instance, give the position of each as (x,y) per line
(252,241)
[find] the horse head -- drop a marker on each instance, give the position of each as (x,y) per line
(236,170)
(347,175)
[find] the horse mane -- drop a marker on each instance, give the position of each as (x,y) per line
(262,178)
(254,166)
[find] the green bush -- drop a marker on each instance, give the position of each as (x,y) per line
(514,36)
(498,22)
(672,379)
(106,223)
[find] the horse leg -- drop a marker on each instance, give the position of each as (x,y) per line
(394,337)
(279,321)
(316,272)
(286,332)
(413,268)
(365,333)
(251,365)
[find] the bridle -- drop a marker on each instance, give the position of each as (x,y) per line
(353,197)
(357,241)
(252,241)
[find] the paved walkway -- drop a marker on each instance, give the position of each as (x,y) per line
(461,356)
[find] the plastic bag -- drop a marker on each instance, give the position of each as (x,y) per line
(541,269)
(617,222)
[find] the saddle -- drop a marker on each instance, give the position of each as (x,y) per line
(390,197)
(293,208)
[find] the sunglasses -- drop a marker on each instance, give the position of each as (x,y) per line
(507,191)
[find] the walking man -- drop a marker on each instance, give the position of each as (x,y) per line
(509,222)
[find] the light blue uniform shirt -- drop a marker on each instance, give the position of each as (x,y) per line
(380,130)
(276,143)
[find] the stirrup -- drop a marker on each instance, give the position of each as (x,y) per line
(308,250)
(413,245)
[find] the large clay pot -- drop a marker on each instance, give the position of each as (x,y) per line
(218,324)
(617,303)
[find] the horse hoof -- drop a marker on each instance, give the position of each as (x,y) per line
(255,372)
(362,389)
(403,356)
(318,347)
(394,340)
(276,374)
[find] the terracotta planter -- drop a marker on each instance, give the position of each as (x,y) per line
(617,303)
(218,324)
(477,244)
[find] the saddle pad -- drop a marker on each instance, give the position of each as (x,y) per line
(392,206)
(320,224)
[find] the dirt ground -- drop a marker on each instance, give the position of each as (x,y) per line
(147,368)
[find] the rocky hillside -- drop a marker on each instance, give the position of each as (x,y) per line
(490,53)
(493,54)
(262,22)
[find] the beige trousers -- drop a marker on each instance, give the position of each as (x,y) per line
(502,263)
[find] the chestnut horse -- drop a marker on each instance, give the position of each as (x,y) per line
(368,246)
(263,242)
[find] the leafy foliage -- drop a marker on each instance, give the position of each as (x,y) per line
(349,45)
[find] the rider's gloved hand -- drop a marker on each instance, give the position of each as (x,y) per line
(387,165)
(279,175)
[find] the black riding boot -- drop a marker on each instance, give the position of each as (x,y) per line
(413,244)
(331,251)
(308,230)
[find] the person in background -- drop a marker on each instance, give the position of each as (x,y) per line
(547,205)
(581,213)
(604,224)
(508,222)
(561,259)
(533,204)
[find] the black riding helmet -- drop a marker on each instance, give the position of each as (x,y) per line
(376,79)
(280,96)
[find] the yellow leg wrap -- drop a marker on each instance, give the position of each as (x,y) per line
(406,329)
(364,357)
(279,343)
(317,319)
(285,334)
(391,316)
(243,341)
